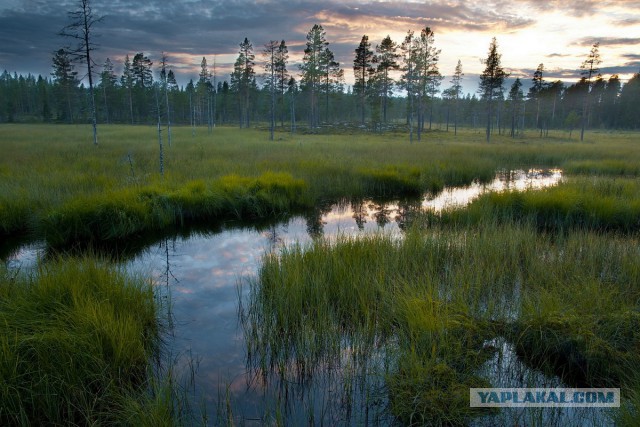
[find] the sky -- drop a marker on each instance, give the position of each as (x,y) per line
(557,33)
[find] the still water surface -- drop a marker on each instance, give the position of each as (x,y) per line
(203,278)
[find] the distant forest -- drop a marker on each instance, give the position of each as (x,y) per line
(265,90)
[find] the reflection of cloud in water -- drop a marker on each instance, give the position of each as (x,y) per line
(516,180)
(205,272)
(209,268)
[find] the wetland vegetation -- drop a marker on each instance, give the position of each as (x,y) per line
(408,320)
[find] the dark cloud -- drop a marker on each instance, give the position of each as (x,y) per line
(627,22)
(579,8)
(628,68)
(190,29)
(608,41)
(572,74)
(557,55)
(206,27)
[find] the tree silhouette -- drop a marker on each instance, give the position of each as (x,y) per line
(492,81)
(81,30)
(589,69)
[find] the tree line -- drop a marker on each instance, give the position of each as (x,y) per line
(395,85)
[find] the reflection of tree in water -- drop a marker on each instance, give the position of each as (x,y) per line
(167,277)
(407,213)
(315,224)
(382,213)
(360,213)
(273,238)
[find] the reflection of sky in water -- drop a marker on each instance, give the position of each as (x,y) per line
(203,284)
(505,369)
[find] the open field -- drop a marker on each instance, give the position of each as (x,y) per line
(56,186)
(554,272)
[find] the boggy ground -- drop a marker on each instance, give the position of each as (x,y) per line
(55,185)
(554,272)
(434,301)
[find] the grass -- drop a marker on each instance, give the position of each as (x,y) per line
(75,344)
(133,211)
(53,181)
(554,272)
(594,203)
(435,299)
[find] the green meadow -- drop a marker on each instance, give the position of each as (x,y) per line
(554,272)
(55,186)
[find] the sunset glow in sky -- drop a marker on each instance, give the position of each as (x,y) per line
(558,33)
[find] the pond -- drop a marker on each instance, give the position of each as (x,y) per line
(203,279)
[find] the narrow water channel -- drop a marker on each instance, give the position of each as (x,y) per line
(204,277)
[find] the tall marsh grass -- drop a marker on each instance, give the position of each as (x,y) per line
(593,203)
(76,341)
(435,300)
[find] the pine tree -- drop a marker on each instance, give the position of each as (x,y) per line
(363,71)
(65,78)
(630,103)
(492,81)
(387,59)
(332,77)
(536,91)
(409,77)
(141,71)
(292,90)
(281,75)
(243,80)
(164,78)
(427,75)
(515,99)
(270,55)
(108,82)
(610,102)
(456,91)
(126,81)
(312,70)
(589,69)
(204,89)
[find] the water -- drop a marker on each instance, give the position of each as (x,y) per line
(203,277)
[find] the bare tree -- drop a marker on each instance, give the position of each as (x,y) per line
(81,30)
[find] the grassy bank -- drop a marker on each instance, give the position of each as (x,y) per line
(53,180)
(435,299)
(76,340)
(589,203)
